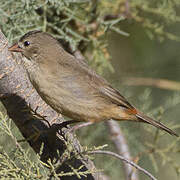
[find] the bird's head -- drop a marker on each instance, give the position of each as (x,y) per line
(38,47)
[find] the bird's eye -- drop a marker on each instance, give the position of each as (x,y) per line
(26,43)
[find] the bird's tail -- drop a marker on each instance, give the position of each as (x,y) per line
(146,119)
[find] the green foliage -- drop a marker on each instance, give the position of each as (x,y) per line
(77,22)
(15,162)
(84,24)
(157,17)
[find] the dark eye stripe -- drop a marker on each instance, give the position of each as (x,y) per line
(26,43)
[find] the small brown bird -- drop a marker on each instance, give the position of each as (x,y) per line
(70,87)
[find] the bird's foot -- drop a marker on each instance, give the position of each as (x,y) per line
(58,127)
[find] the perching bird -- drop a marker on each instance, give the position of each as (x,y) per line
(70,86)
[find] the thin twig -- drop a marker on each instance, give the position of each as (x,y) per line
(76,127)
(126,160)
(159,83)
(127,11)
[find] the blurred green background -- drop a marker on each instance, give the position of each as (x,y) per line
(150,51)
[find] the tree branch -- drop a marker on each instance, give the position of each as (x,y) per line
(125,160)
(158,83)
(122,148)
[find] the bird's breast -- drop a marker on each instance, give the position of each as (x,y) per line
(68,96)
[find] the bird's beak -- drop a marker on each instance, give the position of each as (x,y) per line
(15,48)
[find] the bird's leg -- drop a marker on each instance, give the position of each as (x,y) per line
(64,125)
(52,129)
(34,113)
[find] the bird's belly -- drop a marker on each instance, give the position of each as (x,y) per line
(64,101)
